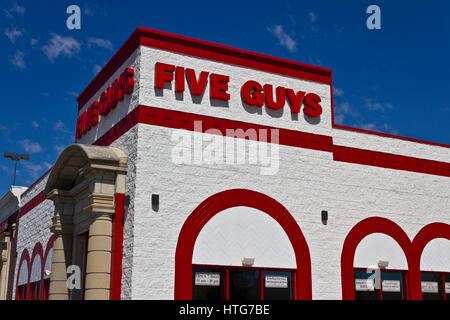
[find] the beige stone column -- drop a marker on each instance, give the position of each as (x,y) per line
(98,265)
(62,252)
(4,243)
(12,261)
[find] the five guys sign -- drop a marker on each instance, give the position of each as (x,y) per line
(252,93)
(124,85)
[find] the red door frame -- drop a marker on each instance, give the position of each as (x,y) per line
(236,198)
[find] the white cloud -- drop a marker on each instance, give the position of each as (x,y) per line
(59,45)
(341,111)
(313,16)
(47,164)
(96,69)
(102,43)
(13,34)
(338,92)
(34,41)
(379,128)
(14,10)
(59,126)
(30,147)
(7,170)
(368,126)
(285,40)
(18,61)
(88,11)
(72,93)
(34,170)
(59,148)
(35,124)
(375,106)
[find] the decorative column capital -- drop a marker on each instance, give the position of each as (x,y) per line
(100,204)
(62,224)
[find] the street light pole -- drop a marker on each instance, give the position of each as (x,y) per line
(16,158)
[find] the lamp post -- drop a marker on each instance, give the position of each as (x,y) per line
(16,158)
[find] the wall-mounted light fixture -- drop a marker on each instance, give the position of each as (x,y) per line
(248,262)
(324,217)
(383,264)
(155,202)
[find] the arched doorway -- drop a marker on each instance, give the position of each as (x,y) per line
(367,227)
(433,281)
(222,201)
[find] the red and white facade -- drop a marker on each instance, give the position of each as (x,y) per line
(386,198)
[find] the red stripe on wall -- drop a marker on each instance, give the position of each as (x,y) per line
(128,122)
(390,161)
(33,203)
(183,120)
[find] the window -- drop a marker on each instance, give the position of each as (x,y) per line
(236,283)
(46,289)
(379,285)
(245,284)
(208,284)
(365,288)
(22,292)
(277,285)
(435,286)
(393,285)
(447,286)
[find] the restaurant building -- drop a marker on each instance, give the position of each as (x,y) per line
(201,171)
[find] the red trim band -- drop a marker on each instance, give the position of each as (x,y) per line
(33,203)
(390,161)
(183,120)
(387,135)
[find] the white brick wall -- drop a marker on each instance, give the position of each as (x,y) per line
(34,226)
(128,143)
(307,183)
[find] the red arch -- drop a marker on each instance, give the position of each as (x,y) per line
(423,237)
(357,233)
(47,249)
(229,199)
(25,256)
(38,250)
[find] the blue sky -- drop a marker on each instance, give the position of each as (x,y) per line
(393,80)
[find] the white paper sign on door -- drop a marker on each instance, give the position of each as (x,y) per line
(207,279)
(276,282)
(364,285)
(430,287)
(391,286)
(447,287)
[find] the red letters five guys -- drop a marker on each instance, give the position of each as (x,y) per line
(252,93)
